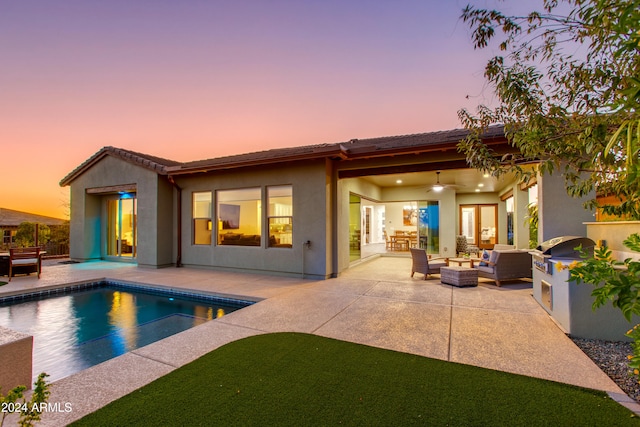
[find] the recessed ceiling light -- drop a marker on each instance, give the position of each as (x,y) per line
(398,181)
(481,185)
(477,190)
(486,175)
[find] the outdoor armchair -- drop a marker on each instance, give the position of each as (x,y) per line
(421,263)
(24,257)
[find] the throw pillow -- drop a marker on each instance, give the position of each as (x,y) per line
(484,258)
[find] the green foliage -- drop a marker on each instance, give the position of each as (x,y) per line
(31,411)
(25,236)
(60,234)
(569,93)
(615,281)
(568,87)
(532,221)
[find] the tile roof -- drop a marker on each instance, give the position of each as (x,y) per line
(12,218)
(349,150)
(156,164)
(353,149)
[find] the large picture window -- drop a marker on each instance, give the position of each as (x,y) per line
(202,218)
(280,216)
(239,214)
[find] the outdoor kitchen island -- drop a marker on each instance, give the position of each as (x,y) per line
(568,303)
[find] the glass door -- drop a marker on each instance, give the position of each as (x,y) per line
(122,227)
(429,226)
(354,227)
(479,224)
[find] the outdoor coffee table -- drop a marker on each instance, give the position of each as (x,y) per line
(460,260)
(459,276)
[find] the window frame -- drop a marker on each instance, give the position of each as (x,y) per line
(197,219)
(277,242)
(250,240)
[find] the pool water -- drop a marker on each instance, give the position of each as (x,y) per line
(77,330)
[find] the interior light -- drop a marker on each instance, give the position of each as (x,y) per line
(481,185)
(398,181)
(477,190)
(486,175)
(438,188)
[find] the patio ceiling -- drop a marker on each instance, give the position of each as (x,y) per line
(466,180)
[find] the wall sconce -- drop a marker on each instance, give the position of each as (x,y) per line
(209,225)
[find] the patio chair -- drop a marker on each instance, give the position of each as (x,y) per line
(463,246)
(24,257)
(422,264)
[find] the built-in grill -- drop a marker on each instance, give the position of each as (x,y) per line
(567,302)
(563,248)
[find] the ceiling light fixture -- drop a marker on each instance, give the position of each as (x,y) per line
(398,181)
(438,187)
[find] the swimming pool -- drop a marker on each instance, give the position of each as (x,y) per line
(84,326)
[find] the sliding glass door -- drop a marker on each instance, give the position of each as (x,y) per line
(122,233)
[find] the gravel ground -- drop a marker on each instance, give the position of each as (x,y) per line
(611,357)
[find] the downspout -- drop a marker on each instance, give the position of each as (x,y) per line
(179,219)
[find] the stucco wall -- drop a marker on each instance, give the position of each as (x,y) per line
(311,221)
(558,213)
(612,234)
(155,215)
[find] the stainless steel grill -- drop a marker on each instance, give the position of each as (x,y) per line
(563,248)
(568,303)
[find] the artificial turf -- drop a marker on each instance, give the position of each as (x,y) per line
(299,379)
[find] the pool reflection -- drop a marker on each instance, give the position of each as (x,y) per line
(75,331)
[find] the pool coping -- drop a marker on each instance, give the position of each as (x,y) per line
(54,290)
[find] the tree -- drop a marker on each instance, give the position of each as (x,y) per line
(569,99)
(25,236)
(568,92)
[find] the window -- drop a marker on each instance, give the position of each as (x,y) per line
(280,216)
(239,217)
(510,217)
(202,218)
(8,236)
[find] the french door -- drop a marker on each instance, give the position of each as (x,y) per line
(122,230)
(479,223)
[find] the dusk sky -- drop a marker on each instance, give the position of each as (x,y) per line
(196,79)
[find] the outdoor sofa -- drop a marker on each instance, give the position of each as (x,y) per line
(506,264)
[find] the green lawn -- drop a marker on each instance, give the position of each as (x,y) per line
(298,379)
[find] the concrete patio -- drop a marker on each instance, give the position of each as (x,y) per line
(375,303)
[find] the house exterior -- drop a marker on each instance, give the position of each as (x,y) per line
(310,211)
(11,219)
